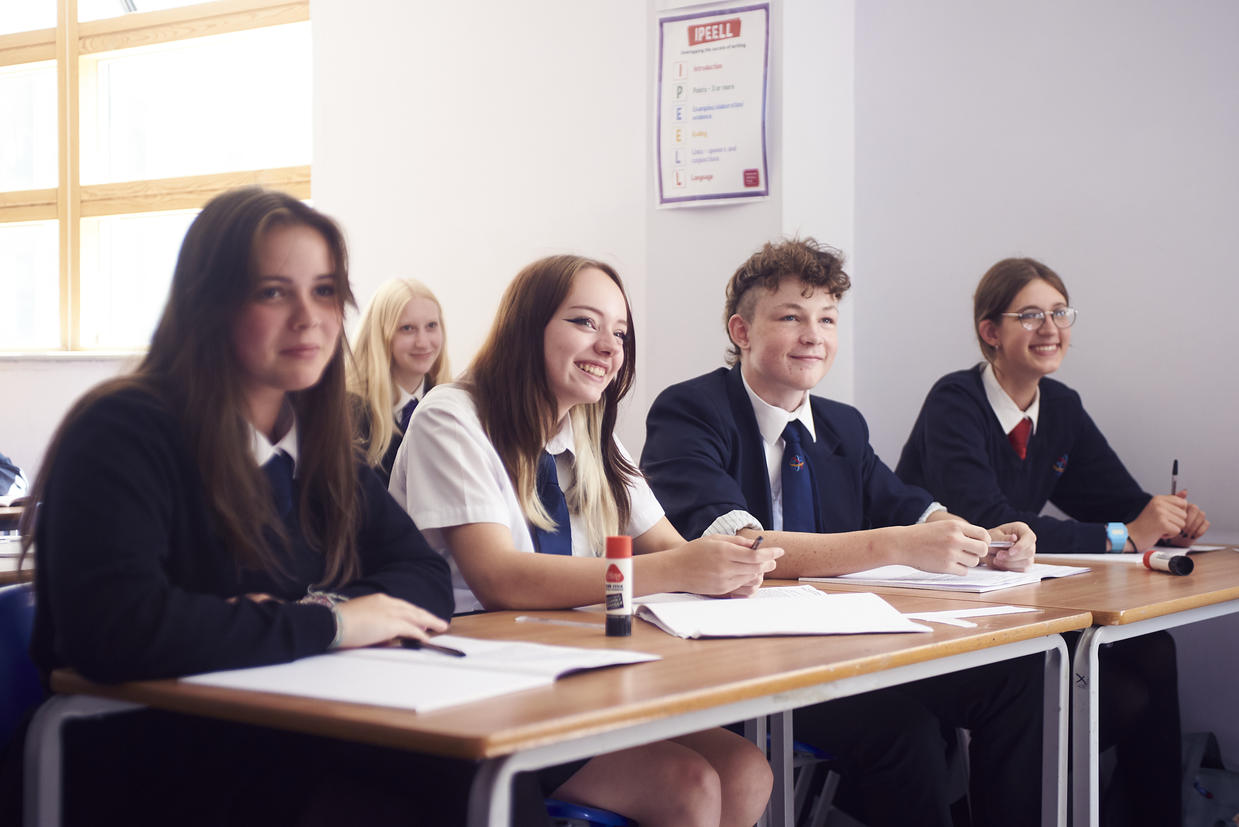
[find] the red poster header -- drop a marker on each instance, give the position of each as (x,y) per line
(708,32)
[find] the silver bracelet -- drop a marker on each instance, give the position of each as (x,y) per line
(335,641)
(314,597)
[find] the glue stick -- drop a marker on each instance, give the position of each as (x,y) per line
(1175,562)
(619,586)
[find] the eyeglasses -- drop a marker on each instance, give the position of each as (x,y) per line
(1033,319)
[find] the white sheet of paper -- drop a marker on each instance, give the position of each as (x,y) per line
(960,614)
(783,610)
(979,579)
(419,679)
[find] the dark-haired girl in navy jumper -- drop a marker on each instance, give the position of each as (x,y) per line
(207,512)
(996,442)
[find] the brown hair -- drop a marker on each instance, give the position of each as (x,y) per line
(814,265)
(999,287)
(370,376)
(518,410)
(192,368)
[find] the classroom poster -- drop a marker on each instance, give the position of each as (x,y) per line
(710,135)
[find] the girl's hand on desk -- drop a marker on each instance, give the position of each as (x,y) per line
(1194,526)
(1162,519)
(1023,546)
(378,618)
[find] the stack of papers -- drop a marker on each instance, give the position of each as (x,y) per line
(979,579)
(421,680)
(782,610)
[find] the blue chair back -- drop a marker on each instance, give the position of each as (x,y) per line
(20,688)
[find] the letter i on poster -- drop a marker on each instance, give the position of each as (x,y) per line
(619,586)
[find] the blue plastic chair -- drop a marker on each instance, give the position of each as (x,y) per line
(20,688)
(565,814)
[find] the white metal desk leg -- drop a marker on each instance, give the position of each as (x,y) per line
(1054,738)
(490,796)
(755,730)
(1085,720)
(781,810)
(44,771)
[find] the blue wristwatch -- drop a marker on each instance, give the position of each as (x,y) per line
(1117,532)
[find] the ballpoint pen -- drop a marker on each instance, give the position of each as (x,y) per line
(1174,477)
(414,643)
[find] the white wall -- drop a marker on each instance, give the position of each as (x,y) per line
(457,142)
(36,392)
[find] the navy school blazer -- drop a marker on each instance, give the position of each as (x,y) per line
(704,458)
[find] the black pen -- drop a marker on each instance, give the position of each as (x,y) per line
(1174,477)
(414,643)
(757,542)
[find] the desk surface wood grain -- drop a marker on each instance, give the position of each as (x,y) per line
(1114,592)
(693,674)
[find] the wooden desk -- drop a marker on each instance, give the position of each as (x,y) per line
(9,515)
(697,684)
(1126,600)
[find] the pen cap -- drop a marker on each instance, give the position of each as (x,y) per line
(619,547)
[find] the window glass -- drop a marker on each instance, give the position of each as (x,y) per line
(100,9)
(27,15)
(29,285)
(211,104)
(127,263)
(28,149)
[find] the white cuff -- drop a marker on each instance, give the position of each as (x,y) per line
(732,522)
(934,506)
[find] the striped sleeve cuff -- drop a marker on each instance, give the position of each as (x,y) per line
(732,522)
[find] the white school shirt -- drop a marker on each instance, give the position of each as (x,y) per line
(1004,407)
(447,473)
(771,421)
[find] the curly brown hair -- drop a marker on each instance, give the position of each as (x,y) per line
(815,265)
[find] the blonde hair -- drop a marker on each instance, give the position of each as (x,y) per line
(370,374)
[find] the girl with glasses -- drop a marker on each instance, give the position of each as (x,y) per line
(997,441)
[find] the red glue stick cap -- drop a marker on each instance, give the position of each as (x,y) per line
(619,546)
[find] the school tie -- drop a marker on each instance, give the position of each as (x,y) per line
(798,506)
(1019,437)
(279,471)
(552,497)
(406,413)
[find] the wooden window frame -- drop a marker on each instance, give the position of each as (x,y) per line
(69,202)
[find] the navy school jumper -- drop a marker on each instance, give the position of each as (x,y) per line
(959,452)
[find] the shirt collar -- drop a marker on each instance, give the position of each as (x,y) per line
(405,396)
(262,448)
(772,420)
(1008,413)
(563,439)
